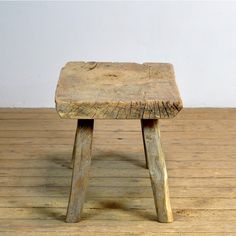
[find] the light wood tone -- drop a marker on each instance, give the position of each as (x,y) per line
(200,151)
(186,215)
(130,180)
(157,169)
(118,91)
(84,232)
(103,90)
(202,177)
(144,146)
(51,114)
(74,148)
(174,125)
(81,164)
(23,187)
(120,203)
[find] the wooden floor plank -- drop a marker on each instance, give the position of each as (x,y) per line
(98,140)
(173,148)
(63,233)
(50,213)
(11,135)
(111,226)
(41,189)
(130,182)
(127,125)
(117,173)
(121,164)
(185,114)
(118,202)
(62,152)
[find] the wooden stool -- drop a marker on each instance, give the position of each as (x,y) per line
(88,91)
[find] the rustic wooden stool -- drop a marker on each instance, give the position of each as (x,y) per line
(88,91)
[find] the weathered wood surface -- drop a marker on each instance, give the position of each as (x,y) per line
(157,169)
(144,146)
(74,148)
(200,151)
(96,90)
(81,164)
(49,113)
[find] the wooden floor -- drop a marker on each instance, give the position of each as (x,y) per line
(36,147)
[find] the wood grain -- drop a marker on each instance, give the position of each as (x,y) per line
(81,165)
(102,90)
(200,152)
(157,169)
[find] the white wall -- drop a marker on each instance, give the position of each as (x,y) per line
(199,38)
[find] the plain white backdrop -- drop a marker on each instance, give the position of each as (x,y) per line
(38,38)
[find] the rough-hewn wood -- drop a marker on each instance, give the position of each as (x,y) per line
(74,149)
(157,169)
(51,114)
(82,158)
(144,146)
(96,90)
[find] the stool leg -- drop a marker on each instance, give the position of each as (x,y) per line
(82,159)
(144,145)
(157,170)
(73,153)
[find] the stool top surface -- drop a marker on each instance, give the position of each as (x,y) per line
(104,90)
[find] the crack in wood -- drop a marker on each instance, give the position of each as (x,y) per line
(95,90)
(93,66)
(165,109)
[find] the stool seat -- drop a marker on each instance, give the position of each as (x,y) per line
(104,90)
